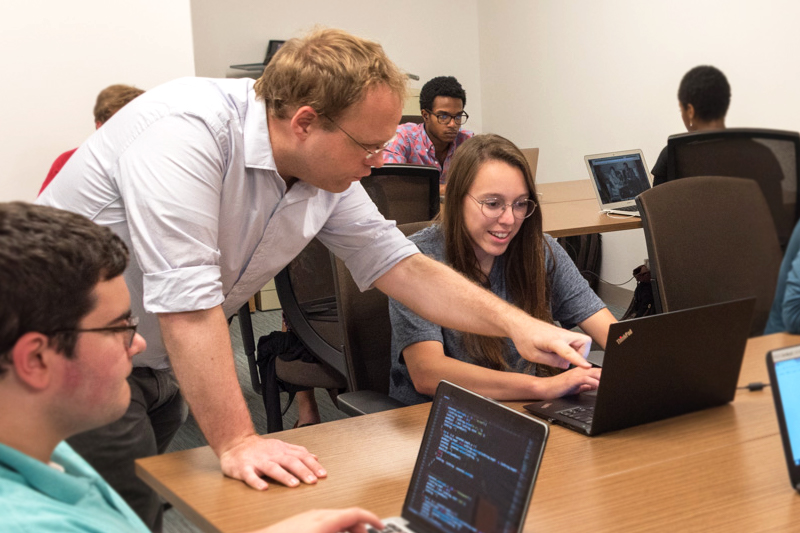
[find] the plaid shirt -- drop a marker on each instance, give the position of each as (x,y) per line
(413,146)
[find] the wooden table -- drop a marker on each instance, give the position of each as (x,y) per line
(570,208)
(721,469)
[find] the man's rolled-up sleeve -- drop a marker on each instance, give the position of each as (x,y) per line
(358,234)
(170,180)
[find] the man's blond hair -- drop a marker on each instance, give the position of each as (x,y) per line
(329,70)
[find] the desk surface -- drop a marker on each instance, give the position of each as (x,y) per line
(570,208)
(721,469)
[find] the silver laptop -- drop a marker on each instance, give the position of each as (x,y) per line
(618,178)
(476,467)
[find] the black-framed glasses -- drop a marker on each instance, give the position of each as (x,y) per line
(445,118)
(370,153)
(495,207)
(128,330)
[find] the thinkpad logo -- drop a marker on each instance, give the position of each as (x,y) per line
(624,336)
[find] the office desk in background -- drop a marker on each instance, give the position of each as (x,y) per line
(721,469)
(570,208)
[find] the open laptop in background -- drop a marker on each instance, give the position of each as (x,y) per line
(618,178)
(272,47)
(476,467)
(784,377)
(658,367)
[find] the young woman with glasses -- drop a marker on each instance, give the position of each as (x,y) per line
(491,232)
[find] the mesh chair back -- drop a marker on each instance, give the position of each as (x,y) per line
(364,319)
(710,240)
(306,291)
(767,156)
(404,193)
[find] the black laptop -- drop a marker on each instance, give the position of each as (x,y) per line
(658,367)
(272,47)
(784,377)
(476,467)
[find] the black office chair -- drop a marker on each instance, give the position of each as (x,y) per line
(367,331)
(710,239)
(306,290)
(770,157)
(404,193)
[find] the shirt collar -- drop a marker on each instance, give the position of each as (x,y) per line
(257,147)
(44,478)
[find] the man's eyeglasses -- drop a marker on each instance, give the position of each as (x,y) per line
(128,331)
(370,153)
(494,207)
(445,118)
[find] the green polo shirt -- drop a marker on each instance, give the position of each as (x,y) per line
(38,497)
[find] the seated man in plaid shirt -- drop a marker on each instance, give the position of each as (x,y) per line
(433,142)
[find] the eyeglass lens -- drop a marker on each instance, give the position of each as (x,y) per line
(520,209)
(445,118)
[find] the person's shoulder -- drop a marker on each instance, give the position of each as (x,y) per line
(198,96)
(430,240)
(463,135)
(409,129)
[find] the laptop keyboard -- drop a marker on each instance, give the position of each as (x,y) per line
(632,208)
(581,414)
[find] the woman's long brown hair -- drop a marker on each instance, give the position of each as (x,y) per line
(525,271)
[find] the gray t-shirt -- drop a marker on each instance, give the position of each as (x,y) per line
(572,301)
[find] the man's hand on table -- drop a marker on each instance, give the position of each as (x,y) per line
(255,457)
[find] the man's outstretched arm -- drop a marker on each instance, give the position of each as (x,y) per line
(443,296)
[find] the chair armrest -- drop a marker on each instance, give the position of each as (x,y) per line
(365,402)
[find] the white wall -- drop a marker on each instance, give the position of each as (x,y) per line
(425,37)
(57,56)
(580,77)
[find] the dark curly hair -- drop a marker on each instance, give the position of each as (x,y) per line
(440,86)
(707,89)
(50,262)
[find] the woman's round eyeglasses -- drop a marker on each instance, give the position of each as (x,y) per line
(494,207)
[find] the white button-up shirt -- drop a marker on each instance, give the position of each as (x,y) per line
(186,176)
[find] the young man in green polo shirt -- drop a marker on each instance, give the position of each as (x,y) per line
(67,338)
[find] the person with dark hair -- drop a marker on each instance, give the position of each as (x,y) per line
(491,232)
(703,98)
(67,339)
(109,101)
(433,142)
(216,185)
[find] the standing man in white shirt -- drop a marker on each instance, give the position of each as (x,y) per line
(216,185)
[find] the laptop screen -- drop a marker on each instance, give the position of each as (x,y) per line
(619,177)
(787,372)
(476,467)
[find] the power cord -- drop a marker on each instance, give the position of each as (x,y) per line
(754,386)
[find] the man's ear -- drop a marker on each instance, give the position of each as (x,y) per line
(302,120)
(690,111)
(32,360)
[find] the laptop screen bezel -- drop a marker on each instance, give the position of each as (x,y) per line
(596,186)
(775,357)
(483,407)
